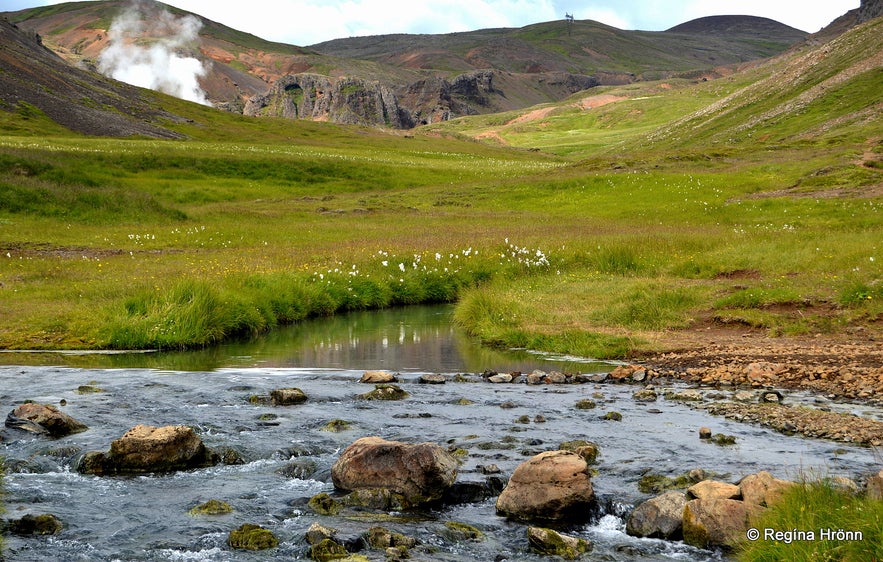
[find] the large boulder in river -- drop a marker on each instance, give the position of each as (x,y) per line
(418,473)
(552,486)
(763,488)
(43,418)
(145,448)
(660,517)
(716,521)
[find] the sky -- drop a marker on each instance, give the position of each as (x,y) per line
(306,22)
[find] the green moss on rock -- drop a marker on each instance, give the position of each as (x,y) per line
(252,537)
(323,504)
(212,507)
(385,392)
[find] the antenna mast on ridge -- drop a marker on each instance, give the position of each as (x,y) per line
(569,18)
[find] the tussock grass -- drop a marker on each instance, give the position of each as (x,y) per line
(813,507)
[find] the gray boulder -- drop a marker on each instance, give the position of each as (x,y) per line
(660,517)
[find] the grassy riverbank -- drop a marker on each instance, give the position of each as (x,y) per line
(673,206)
(818,521)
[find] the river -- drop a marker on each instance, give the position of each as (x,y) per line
(145,518)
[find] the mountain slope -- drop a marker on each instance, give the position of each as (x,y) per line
(35,82)
(422,78)
(582,47)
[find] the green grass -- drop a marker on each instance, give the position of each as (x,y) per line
(621,223)
(817,506)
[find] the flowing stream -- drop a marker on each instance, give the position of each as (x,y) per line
(146,517)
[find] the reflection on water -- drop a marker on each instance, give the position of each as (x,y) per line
(419,338)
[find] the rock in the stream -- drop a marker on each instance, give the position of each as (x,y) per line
(43,524)
(551,486)
(378,377)
(712,489)
(385,392)
(145,448)
(716,521)
(551,543)
(252,537)
(763,488)
(419,473)
(43,418)
(660,517)
(287,396)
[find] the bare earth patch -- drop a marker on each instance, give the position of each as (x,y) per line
(846,366)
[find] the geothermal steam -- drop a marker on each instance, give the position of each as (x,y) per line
(143,51)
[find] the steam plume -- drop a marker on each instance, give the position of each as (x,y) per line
(144,47)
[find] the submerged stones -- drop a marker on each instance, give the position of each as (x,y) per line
(145,448)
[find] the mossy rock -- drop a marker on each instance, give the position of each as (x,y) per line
(380,538)
(385,392)
(457,532)
(586,449)
(723,440)
(328,549)
(212,507)
(287,397)
(551,543)
(336,426)
(378,498)
(43,524)
(302,469)
(252,537)
(586,404)
(612,416)
(657,483)
(463,402)
(323,504)
(88,389)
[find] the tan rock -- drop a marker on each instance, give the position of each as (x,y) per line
(378,377)
(874,487)
(716,522)
(763,489)
(420,472)
(712,489)
(551,486)
(44,418)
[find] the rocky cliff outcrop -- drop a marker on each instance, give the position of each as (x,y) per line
(429,100)
(344,100)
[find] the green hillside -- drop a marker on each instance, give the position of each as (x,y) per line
(604,230)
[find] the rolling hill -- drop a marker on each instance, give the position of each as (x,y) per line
(406,80)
